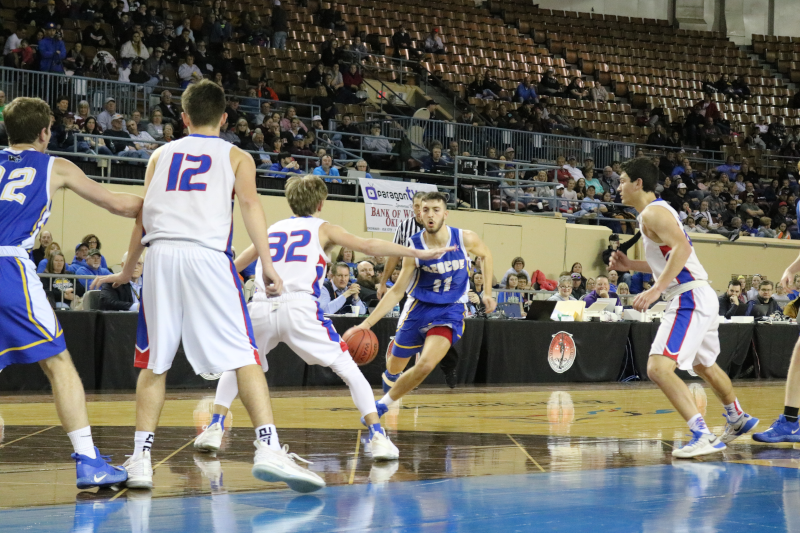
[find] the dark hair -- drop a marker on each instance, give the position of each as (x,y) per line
(89,237)
(25,118)
(49,269)
(341,264)
(734,283)
(517,260)
(642,169)
(435,196)
(766,282)
(204,102)
(283,155)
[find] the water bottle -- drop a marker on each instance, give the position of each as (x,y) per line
(396,311)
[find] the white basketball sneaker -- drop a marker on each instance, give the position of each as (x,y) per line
(279,466)
(383,449)
(701,444)
(210,439)
(140,471)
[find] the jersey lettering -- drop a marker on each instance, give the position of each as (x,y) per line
(18,179)
(280,250)
(186,176)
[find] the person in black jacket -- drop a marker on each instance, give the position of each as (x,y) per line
(730,303)
(125,297)
(764,305)
(401,40)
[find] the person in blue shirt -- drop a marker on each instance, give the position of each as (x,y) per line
(591,180)
(93,243)
(286,163)
(52,51)
(510,297)
(730,167)
(326,168)
(526,93)
(92,267)
(590,206)
(81,253)
(640,281)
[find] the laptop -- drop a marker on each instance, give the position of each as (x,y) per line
(510,309)
(540,310)
(603,304)
(356,174)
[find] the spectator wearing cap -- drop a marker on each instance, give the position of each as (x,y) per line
(104,118)
(578,289)
(92,267)
(433,43)
(188,72)
(52,51)
(517,267)
(563,206)
(285,164)
(613,246)
(749,208)
(155,65)
(680,197)
(572,167)
(781,217)
(81,251)
(125,146)
(564,290)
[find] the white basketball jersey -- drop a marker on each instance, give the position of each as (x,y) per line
(190,197)
(656,254)
(297,255)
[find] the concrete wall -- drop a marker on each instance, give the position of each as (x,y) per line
(657,9)
(547,244)
(786,20)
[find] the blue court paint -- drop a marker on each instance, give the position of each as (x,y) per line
(687,496)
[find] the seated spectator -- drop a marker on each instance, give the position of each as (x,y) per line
(286,121)
(362,166)
(170,110)
(657,138)
(576,90)
(28,15)
(764,229)
(623,289)
(366,280)
(613,279)
(75,60)
(146,142)
(549,86)
(599,93)
(526,93)
(326,168)
(512,283)
(188,72)
(156,126)
(314,77)
(353,81)
(92,267)
(242,132)
(61,292)
(591,181)
(285,164)
(435,163)
(357,53)
(783,232)
(590,207)
(376,142)
(517,267)
(578,289)
(401,40)
(45,240)
(95,144)
(564,290)
(22,57)
(124,147)
(764,305)
(730,303)
(640,282)
(602,289)
(338,294)
(257,145)
(52,247)
(63,136)
(126,297)
(332,55)
(433,43)
(134,48)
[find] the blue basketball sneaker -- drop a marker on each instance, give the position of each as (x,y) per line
(780,431)
(735,430)
(97,472)
(382,409)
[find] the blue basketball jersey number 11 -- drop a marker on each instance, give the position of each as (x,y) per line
(444,280)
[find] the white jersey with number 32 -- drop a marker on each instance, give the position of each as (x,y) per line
(190,196)
(297,255)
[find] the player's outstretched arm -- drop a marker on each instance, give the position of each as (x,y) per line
(620,261)
(67,174)
(249,255)
(666,230)
(475,245)
(337,235)
(253,214)
(394,295)
(787,280)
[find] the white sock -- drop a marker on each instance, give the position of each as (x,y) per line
(227,389)
(387,400)
(696,423)
(269,434)
(734,411)
(360,389)
(142,441)
(82,442)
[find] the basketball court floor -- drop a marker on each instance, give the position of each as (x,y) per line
(533,458)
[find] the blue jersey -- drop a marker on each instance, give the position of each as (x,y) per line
(444,280)
(24,196)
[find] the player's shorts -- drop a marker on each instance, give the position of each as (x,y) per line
(419,317)
(297,320)
(29,329)
(192,293)
(688,332)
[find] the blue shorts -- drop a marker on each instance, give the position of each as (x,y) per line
(420,318)
(29,330)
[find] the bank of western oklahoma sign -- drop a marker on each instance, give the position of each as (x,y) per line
(561,354)
(387,203)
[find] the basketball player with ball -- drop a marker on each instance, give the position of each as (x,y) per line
(433,316)
(300,247)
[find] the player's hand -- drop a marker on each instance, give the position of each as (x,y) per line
(619,261)
(435,253)
(353,290)
(363,325)
(115,279)
(272,281)
(645,299)
(473,298)
(380,290)
(489,303)
(787,280)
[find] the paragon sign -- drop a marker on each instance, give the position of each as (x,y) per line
(387,203)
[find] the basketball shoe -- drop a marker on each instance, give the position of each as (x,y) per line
(382,409)
(734,430)
(382,448)
(210,439)
(780,431)
(279,466)
(701,444)
(97,472)
(140,471)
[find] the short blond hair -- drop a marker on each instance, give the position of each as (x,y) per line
(305,193)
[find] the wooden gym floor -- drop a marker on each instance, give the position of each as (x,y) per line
(472,459)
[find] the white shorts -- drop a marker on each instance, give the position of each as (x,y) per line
(688,332)
(297,320)
(192,293)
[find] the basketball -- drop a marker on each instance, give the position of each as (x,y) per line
(363,345)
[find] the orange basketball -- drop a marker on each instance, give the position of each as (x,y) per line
(363,345)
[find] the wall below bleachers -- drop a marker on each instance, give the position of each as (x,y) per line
(654,9)
(547,244)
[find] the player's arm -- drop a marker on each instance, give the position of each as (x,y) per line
(249,255)
(476,246)
(255,222)
(662,224)
(394,295)
(67,174)
(620,261)
(787,280)
(337,235)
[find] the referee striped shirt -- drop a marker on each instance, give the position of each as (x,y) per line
(406,229)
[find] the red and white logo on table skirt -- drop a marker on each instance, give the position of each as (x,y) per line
(562,352)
